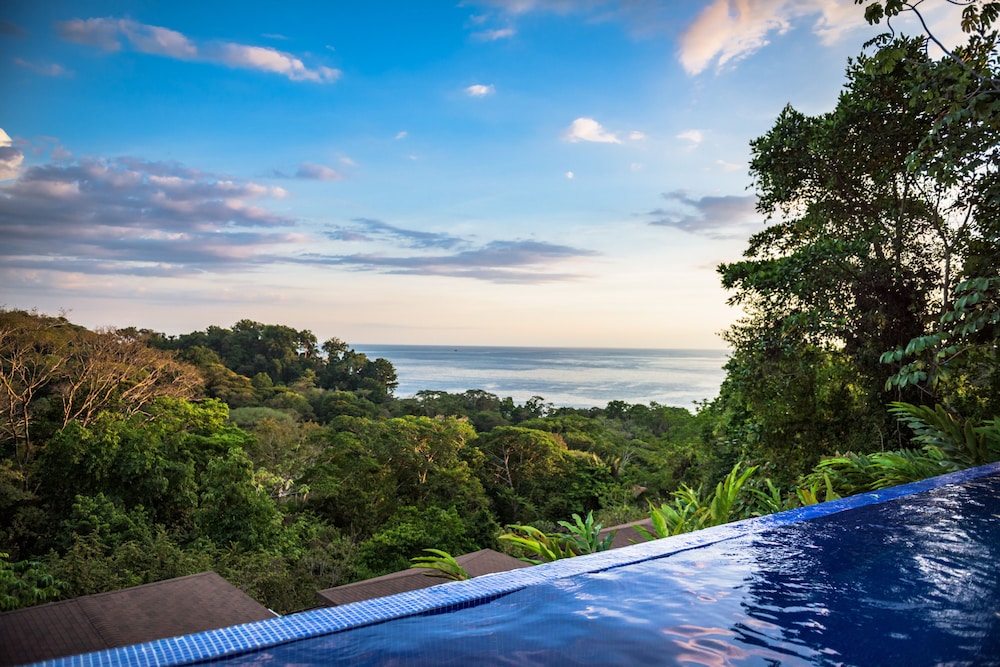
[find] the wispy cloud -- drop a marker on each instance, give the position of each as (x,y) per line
(137,216)
(367,229)
(728,31)
(480,90)
(730,166)
(317,172)
(588,129)
(725,32)
(717,217)
(111,34)
(11,29)
(495,34)
(694,136)
(520,261)
(51,69)
(402,134)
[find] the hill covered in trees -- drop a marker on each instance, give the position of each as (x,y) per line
(868,356)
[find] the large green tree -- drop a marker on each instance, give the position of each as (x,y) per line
(957,362)
(876,209)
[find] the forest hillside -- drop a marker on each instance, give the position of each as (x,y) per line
(867,356)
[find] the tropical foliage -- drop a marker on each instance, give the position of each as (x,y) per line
(869,355)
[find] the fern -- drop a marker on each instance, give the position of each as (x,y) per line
(963,444)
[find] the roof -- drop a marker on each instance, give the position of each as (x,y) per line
(478,563)
(627,534)
(163,609)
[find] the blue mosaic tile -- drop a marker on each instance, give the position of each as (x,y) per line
(205,646)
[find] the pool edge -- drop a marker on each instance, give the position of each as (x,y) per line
(234,640)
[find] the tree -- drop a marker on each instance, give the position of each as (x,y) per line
(232,509)
(871,222)
(54,371)
(532,475)
(107,370)
(32,352)
(369,469)
(957,363)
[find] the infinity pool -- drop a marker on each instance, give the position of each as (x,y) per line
(909,576)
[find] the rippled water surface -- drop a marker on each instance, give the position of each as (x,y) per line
(910,582)
(572,377)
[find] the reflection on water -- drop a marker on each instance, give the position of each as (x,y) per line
(911,582)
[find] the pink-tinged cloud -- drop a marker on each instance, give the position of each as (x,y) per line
(82,215)
(112,34)
(11,158)
(317,172)
(51,69)
(728,31)
(159,41)
(99,33)
(714,216)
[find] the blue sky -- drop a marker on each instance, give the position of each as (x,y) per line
(504,172)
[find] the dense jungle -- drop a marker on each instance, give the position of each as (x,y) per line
(866,356)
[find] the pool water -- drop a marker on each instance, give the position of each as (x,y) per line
(913,581)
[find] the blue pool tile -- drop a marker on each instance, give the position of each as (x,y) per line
(466,594)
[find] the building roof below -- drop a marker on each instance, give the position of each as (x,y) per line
(162,609)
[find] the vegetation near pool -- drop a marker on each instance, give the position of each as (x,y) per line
(867,357)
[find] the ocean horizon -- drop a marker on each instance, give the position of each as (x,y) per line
(576,377)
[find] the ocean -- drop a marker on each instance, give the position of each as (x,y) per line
(563,376)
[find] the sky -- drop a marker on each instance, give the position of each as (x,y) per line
(495,172)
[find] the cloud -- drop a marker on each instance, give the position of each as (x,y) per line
(694,136)
(267,59)
(11,29)
(98,33)
(728,31)
(367,229)
(636,135)
(11,158)
(717,217)
(52,69)
(570,175)
(111,34)
(494,35)
(136,217)
(729,166)
(401,134)
(519,261)
(479,90)
(588,129)
(317,172)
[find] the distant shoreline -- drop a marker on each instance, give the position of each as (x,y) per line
(574,377)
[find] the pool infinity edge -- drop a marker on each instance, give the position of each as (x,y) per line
(451,596)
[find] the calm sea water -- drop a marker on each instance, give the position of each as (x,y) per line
(565,377)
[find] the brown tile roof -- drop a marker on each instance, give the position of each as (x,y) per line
(478,563)
(163,609)
(627,534)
